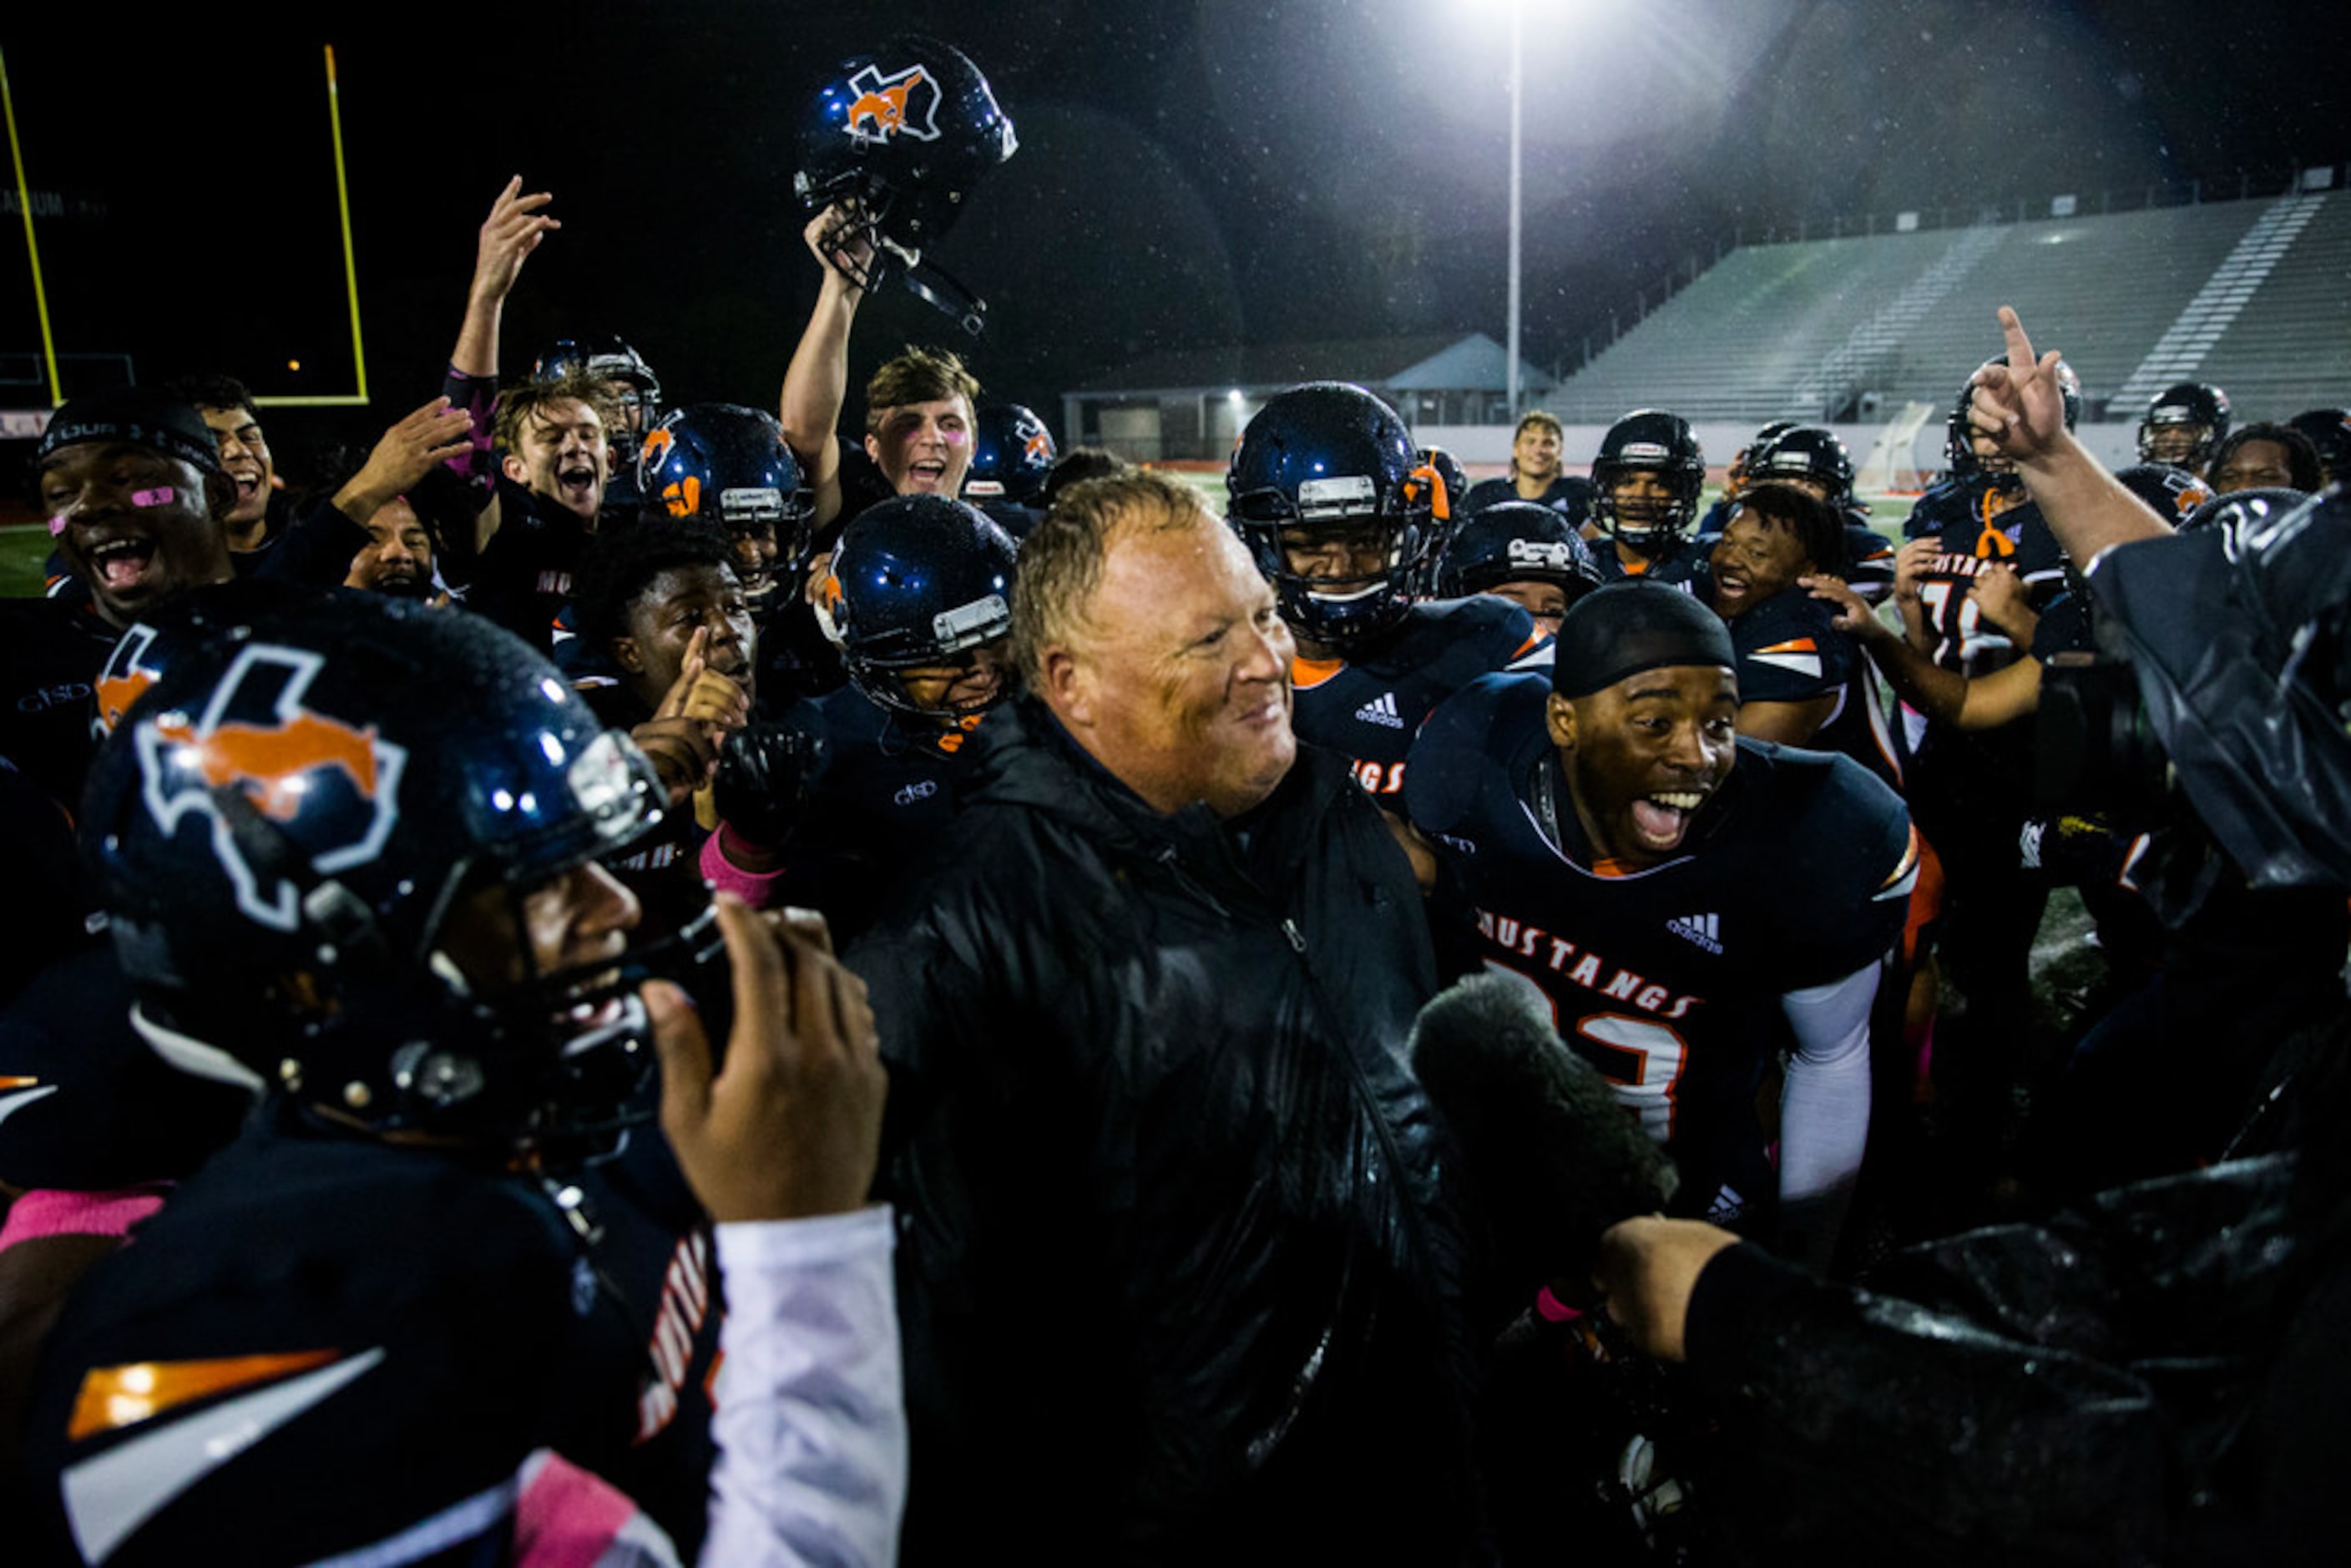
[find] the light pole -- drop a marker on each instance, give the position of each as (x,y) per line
(1518,80)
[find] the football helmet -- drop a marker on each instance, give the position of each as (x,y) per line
(1959,444)
(1739,473)
(1448,496)
(2183,425)
(899,137)
(2328,431)
(604,356)
(918,582)
(1327,456)
(2241,509)
(281,825)
(1804,452)
(1653,441)
(723,463)
(1511,541)
(1012,454)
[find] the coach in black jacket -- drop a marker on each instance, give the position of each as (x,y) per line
(1175,1280)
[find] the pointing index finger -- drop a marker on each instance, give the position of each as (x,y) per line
(2020,347)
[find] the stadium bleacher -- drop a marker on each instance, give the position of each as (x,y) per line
(2260,289)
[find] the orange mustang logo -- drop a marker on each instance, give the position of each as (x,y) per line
(271,760)
(889,105)
(1040,446)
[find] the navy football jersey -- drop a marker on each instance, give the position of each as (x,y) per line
(1669,979)
(1790,650)
(877,809)
(1569,494)
(524,579)
(1978,519)
(1369,705)
(321,1344)
(1683,565)
(1868,558)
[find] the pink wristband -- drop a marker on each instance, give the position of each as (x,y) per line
(51,1211)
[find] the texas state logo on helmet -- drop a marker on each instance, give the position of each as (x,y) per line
(280,824)
(1012,454)
(256,741)
(903,133)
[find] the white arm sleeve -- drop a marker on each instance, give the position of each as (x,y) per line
(1825,1107)
(811,1423)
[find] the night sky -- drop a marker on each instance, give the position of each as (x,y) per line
(1201,172)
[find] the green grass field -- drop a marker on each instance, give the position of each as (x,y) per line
(23,549)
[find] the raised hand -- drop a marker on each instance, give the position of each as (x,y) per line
(513,230)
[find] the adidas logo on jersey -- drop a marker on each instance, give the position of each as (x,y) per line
(1705,930)
(1381,710)
(1727,1207)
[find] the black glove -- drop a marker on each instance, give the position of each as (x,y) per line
(765,770)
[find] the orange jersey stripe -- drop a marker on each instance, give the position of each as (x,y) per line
(112,1397)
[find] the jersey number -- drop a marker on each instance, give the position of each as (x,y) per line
(1957,652)
(1642,1058)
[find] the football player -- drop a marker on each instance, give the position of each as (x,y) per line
(890,148)
(2183,427)
(131,484)
(1799,682)
(1679,893)
(1812,458)
(353,859)
(2265,457)
(1517,550)
(630,385)
(1324,489)
(1968,785)
(919,597)
(1649,471)
(1536,473)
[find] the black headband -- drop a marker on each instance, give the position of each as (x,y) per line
(1626,628)
(142,416)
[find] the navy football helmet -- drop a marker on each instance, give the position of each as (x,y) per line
(1012,454)
(1653,441)
(2183,425)
(281,826)
(1513,541)
(1804,452)
(2328,431)
(1958,445)
(1329,459)
(723,464)
(1738,475)
(918,582)
(604,356)
(899,137)
(1448,497)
